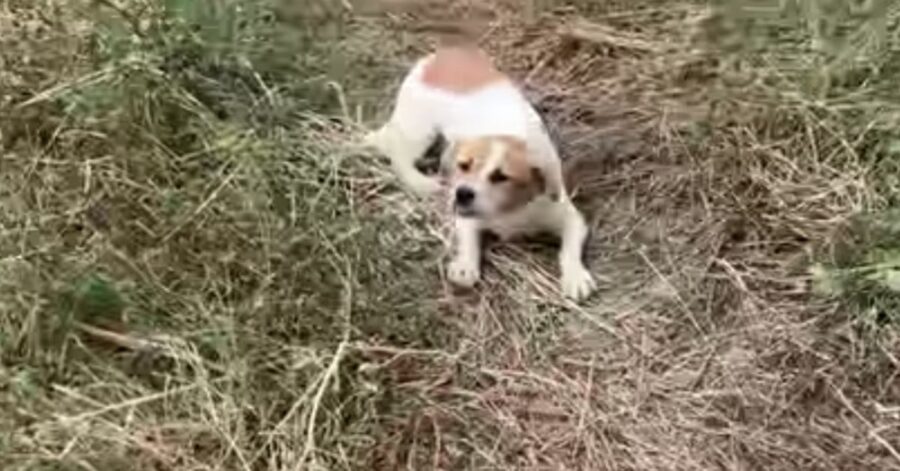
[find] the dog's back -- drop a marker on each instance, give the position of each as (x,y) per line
(459,93)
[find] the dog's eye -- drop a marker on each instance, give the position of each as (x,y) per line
(498,177)
(464,166)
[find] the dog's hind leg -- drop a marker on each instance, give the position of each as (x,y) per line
(408,134)
(404,150)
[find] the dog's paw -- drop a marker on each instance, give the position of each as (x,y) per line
(577,283)
(371,140)
(422,185)
(463,273)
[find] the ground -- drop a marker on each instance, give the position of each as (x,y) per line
(200,269)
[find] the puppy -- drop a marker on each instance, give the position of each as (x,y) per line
(505,174)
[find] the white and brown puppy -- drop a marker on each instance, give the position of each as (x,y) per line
(506,174)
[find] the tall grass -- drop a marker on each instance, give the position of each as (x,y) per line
(186,266)
(835,63)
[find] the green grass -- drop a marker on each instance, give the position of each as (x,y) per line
(200,269)
(180,230)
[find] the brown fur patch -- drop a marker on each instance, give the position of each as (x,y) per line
(515,164)
(527,181)
(471,155)
(461,70)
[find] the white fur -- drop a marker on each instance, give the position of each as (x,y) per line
(497,109)
(465,268)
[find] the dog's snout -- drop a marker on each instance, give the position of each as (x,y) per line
(465,196)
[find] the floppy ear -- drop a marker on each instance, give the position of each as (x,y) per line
(549,182)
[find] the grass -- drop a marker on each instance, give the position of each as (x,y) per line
(200,270)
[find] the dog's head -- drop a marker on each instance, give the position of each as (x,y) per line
(493,176)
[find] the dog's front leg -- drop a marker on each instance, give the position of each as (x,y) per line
(577,282)
(465,268)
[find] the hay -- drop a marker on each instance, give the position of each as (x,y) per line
(705,348)
(198,272)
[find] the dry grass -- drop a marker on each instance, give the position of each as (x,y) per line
(199,273)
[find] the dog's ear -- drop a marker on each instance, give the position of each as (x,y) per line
(548,181)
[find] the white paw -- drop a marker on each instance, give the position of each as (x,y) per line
(372,140)
(577,283)
(422,185)
(463,273)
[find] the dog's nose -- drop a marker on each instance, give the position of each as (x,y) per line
(464,196)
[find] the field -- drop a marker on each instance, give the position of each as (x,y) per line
(200,269)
